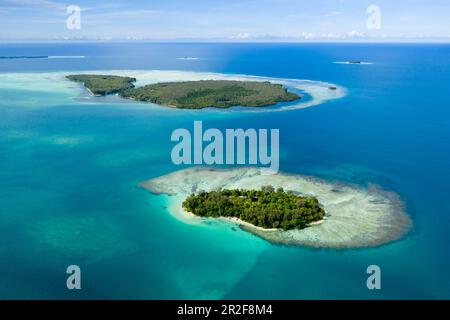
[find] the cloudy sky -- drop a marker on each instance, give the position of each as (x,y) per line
(231,20)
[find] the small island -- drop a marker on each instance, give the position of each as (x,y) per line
(103,85)
(191,94)
(266,208)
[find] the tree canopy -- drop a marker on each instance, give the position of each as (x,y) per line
(212,93)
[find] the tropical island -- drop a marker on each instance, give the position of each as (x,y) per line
(190,94)
(355,217)
(103,85)
(266,208)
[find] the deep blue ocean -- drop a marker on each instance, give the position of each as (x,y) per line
(69,172)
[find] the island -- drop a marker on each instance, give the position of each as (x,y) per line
(309,211)
(103,84)
(191,94)
(265,208)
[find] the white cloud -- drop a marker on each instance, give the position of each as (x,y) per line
(331,36)
(305,35)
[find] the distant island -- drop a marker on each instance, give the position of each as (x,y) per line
(266,208)
(191,94)
(357,62)
(23,57)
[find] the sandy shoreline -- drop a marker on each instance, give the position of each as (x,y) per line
(354,217)
(176,209)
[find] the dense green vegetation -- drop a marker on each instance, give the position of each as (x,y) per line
(191,94)
(212,93)
(103,84)
(266,208)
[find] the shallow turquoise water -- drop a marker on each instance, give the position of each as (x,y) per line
(69,172)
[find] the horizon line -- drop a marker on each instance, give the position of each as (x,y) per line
(237,41)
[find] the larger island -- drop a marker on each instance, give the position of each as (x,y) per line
(190,94)
(266,208)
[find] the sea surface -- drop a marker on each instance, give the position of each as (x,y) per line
(70,166)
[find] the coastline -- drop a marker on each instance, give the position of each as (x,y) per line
(355,218)
(243,223)
(190,216)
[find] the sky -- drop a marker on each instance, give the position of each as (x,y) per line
(227,20)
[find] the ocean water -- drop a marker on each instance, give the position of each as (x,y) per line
(70,166)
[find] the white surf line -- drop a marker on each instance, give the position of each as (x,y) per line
(188,58)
